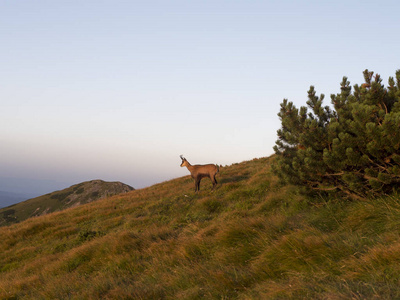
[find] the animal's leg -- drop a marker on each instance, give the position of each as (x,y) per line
(197,185)
(214,182)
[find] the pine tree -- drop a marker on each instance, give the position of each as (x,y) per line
(353,148)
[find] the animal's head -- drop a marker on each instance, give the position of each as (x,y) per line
(184,161)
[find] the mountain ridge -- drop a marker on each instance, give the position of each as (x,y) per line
(72,196)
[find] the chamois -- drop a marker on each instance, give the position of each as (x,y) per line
(200,171)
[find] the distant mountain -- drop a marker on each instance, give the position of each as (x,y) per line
(75,195)
(9,198)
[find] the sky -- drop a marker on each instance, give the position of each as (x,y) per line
(117,90)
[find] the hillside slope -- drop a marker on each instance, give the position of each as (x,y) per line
(250,239)
(75,195)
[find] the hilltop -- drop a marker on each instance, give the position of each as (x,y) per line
(75,195)
(252,238)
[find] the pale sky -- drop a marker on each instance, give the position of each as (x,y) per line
(117,90)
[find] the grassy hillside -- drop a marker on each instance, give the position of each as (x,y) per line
(75,195)
(250,239)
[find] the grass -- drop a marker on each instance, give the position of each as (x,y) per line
(250,239)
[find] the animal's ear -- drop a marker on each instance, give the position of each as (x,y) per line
(182,157)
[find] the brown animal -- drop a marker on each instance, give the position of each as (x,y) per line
(200,171)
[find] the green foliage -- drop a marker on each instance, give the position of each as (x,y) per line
(9,215)
(87,235)
(60,196)
(80,190)
(353,148)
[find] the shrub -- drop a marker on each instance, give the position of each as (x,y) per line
(80,190)
(353,148)
(87,235)
(60,196)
